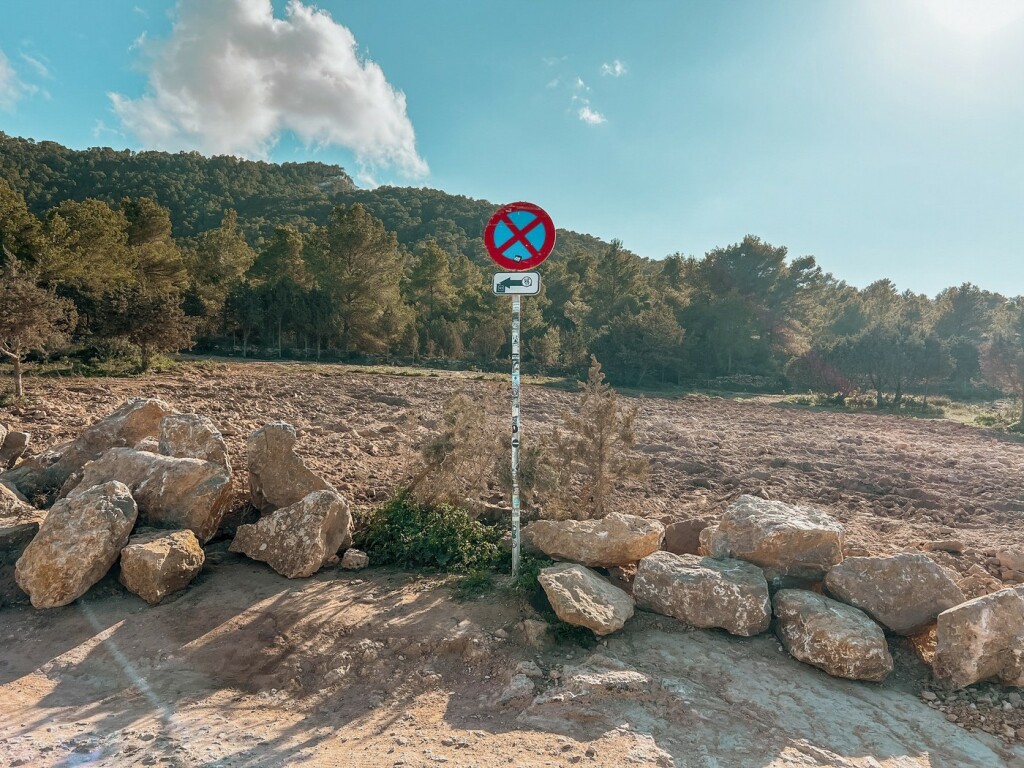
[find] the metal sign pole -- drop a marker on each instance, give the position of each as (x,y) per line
(516,434)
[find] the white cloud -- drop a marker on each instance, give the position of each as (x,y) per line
(38,65)
(231,79)
(615,69)
(590,116)
(10,87)
(579,85)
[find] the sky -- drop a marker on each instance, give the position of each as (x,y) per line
(884,137)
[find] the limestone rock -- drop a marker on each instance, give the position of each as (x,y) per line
(10,499)
(297,540)
(582,598)
(704,592)
(12,448)
(278,477)
(903,592)
(982,639)
(832,636)
(616,539)
(354,560)
(125,427)
(923,644)
(1011,558)
(683,537)
(156,563)
(3,434)
(77,544)
(704,540)
(171,492)
(533,632)
(191,436)
(784,539)
(19,523)
(148,444)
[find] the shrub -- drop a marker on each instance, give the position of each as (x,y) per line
(408,534)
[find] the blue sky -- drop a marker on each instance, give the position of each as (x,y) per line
(885,138)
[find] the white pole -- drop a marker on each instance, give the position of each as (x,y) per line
(516,434)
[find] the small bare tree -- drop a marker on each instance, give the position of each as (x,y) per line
(597,443)
(457,462)
(32,319)
(471,452)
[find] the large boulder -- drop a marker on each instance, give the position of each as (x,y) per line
(616,539)
(278,477)
(982,639)
(904,593)
(704,592)
(13,447)
(581,597)
(171,492)
(831,636)
(191,436)
(156,563)
(19,523)
(77,544)
(784,539)
(297,540)
(46,473)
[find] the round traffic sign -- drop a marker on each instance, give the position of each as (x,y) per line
(519,236)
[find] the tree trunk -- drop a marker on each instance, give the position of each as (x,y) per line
(146,357)
(19,389)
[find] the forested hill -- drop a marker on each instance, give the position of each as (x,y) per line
(133,253)
(198,189)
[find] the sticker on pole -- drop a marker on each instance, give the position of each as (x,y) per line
(522,283)
(519,236)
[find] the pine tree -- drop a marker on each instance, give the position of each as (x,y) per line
(32,319)
(598,442)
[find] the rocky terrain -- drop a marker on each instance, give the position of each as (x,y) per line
(246,667)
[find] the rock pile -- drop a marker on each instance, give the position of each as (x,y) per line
(765,563)
(170,474)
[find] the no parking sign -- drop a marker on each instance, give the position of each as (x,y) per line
(519,236)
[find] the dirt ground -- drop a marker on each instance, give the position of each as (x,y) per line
(382,668)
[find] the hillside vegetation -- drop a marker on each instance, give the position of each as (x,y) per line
(147,252)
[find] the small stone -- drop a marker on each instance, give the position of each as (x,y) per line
(928,696)
(354,560)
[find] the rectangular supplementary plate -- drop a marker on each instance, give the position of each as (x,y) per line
(522,283)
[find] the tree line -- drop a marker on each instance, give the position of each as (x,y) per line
(400,274)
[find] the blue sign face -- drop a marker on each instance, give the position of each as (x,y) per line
(519,236)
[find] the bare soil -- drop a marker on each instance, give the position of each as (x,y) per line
(246,668)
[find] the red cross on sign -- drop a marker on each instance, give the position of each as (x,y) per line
(519,236)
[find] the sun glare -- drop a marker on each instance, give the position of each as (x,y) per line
(975,19)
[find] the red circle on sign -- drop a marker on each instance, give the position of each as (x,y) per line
(511,236)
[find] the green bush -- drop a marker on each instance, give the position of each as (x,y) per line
(407,534)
